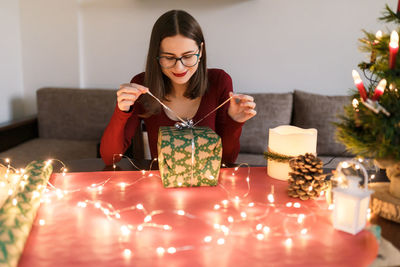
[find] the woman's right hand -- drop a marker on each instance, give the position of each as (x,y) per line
(128,93)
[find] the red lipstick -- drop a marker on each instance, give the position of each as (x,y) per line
(179,74)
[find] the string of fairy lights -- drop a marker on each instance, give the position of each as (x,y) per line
(293,212)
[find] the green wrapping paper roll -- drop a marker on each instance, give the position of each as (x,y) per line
(189,157)
(19,211)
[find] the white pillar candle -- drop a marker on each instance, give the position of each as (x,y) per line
(290,141)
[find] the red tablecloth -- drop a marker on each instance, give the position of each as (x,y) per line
(65,234)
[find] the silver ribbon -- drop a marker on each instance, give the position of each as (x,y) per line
(189,124)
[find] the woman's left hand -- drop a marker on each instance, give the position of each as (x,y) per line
(241,107)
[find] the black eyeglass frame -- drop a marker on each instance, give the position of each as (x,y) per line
(180,59)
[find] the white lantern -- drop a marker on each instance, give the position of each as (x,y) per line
(351,202)
(289,141)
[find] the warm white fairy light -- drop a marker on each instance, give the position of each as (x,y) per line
(143,172)
(167,227)
(181,212)
(251,204)
(122,185)
(140,228)
(301,218)
(125,230)
(15,202)
(369,214)
(220,241)
(42,222)
(345,164)
(230,219)
(243,214)
(260,236)
(271,198)
(207,239)
(303,231)
(171,250)
(355,103)
(97,205)
(266,229)
(82,204)
(10,192)
(216,207)
(372,176)
(225,202)
(35,194)
(139,206)
(331,207)
(289,204)
(225,229)
(147,218)
(160,251)
(288,242)
(297,205)
(127,252)
(259,227)
(217,226)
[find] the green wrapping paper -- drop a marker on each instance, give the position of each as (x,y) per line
(19,211)
(189,157)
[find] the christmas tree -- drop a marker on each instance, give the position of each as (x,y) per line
(370,126)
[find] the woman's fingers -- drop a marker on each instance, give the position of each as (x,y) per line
(242,107)
(128,94)
(251,105)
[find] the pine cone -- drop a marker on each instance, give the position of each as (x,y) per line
(306,178)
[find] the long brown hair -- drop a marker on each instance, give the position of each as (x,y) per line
(172,23)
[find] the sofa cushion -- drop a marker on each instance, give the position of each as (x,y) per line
(75,114)
(44,149)
(320,111)
(272,110)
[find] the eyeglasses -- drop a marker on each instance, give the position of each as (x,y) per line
(188,60)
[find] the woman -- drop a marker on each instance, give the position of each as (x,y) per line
(176,74)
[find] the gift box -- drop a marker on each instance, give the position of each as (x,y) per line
(189,157)
(19,211)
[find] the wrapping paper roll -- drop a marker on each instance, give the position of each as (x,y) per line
(19,211)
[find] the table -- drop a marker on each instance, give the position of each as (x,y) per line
(73,235)
(390,229)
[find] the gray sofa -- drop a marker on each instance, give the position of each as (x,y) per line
(301,109)
(70,123)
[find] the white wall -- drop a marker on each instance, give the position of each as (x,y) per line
(11,91)
(266,45)
(49,34)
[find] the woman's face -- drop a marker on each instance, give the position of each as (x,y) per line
(175,47)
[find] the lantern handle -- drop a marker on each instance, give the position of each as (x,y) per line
(364,171)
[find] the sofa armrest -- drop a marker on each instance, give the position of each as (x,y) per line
(16,132)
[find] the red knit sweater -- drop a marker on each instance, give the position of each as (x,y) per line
(119,133)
